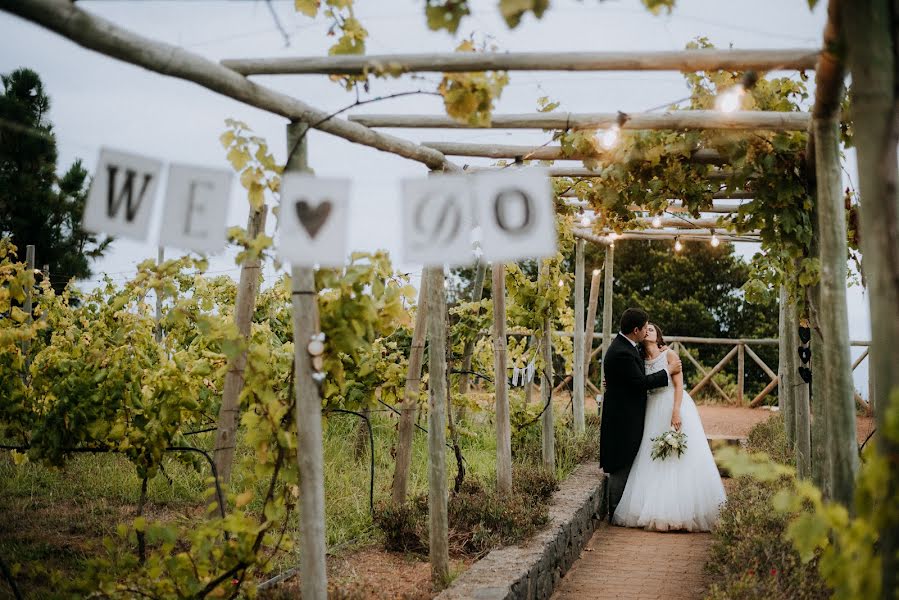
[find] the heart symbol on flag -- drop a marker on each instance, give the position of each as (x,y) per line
(313,219)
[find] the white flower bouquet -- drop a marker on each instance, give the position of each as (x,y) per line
(670,442)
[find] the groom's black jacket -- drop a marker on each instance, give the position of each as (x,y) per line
(624,403)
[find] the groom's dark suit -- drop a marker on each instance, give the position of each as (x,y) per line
(623,411)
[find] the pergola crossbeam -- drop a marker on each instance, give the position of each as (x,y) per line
(670,120)
(705,59)
(701,156)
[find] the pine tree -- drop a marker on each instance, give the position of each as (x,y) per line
(36,206)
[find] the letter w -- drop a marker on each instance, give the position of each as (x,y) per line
(125,193)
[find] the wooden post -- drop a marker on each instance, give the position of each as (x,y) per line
(591,320)
(437,492)
(833,313)
(313,574)
(820,445)
(244,305)
(715,369)
(803,430)
(476,293)
(741,373)
(160,256)
(870,34)
(406,428)
(577,400)
(608,267)
(547,421)
(503,426)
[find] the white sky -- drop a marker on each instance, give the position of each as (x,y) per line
(98,101)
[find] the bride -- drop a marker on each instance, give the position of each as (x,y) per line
(676,493)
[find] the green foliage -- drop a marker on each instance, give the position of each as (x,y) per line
(446,14)
(513,10)
(37,206)
(470,97)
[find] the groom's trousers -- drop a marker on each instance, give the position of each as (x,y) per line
(617,481)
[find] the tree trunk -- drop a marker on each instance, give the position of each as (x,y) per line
(437,493)
(820,446)
(503,426)
(835,352)
(244,305)
(406,427)
(787,366)
(591,320)
(869,29)
(577,400)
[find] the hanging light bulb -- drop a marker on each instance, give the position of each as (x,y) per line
(561,283)
(608,138)
(714,241)
(657,221)
(731,99)
(677,245)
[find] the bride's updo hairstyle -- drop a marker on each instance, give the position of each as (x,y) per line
(660,340)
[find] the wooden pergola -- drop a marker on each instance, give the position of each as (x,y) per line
(833,383)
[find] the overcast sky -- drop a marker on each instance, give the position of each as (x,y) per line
(99,101)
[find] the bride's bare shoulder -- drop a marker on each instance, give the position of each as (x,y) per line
(670,354)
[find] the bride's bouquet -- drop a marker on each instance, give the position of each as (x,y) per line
(670,442)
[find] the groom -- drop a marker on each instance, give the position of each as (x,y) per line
(624,401)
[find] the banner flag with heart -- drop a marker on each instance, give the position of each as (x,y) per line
(122,194)
(437,220)
(314,220)
(196,208)
(516,213)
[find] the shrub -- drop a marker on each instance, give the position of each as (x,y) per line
(750,557)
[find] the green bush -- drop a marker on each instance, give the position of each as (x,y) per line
(750,557)
(479,518)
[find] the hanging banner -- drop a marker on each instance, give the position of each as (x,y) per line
(313,220)
(516,214)
(196,208)
(437,220)
(122,194)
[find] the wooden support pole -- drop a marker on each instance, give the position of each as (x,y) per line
(859,360)
(547,420)
(803,432)
(577,399)
(702,156)
(310,454)
(609,269)
(501,382)
(759,362)
(406,428)
(702,383)
(477,293)
(244,306)
(464,62)
(764,393)
(102,35)
(591,320)
(870,35)
(704,372)
(741,373)
(833,312)
(437,492)
(670,120)
(820,434)
(699,235)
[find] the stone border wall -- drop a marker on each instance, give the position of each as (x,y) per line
(531,571)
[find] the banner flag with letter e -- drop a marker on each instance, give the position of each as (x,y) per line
(196,208)
(122,194)
(313,221)
(516,214)
(437,220)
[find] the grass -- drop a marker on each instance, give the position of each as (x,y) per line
(749,557)
(57,517)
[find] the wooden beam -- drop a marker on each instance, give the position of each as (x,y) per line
(741,373)
(602,238)
(547,420)
(702,370)
(715,196)
(463,62)
(670,120)
(859,360)
(590,325)
(96,33)
(764,393)
(760,362)
(702,156)
(715,370)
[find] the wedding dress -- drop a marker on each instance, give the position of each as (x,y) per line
(677,493)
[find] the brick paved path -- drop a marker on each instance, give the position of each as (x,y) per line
(633,564)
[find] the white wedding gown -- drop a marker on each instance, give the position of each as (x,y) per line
(683,493)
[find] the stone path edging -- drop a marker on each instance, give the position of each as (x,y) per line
(532,570)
